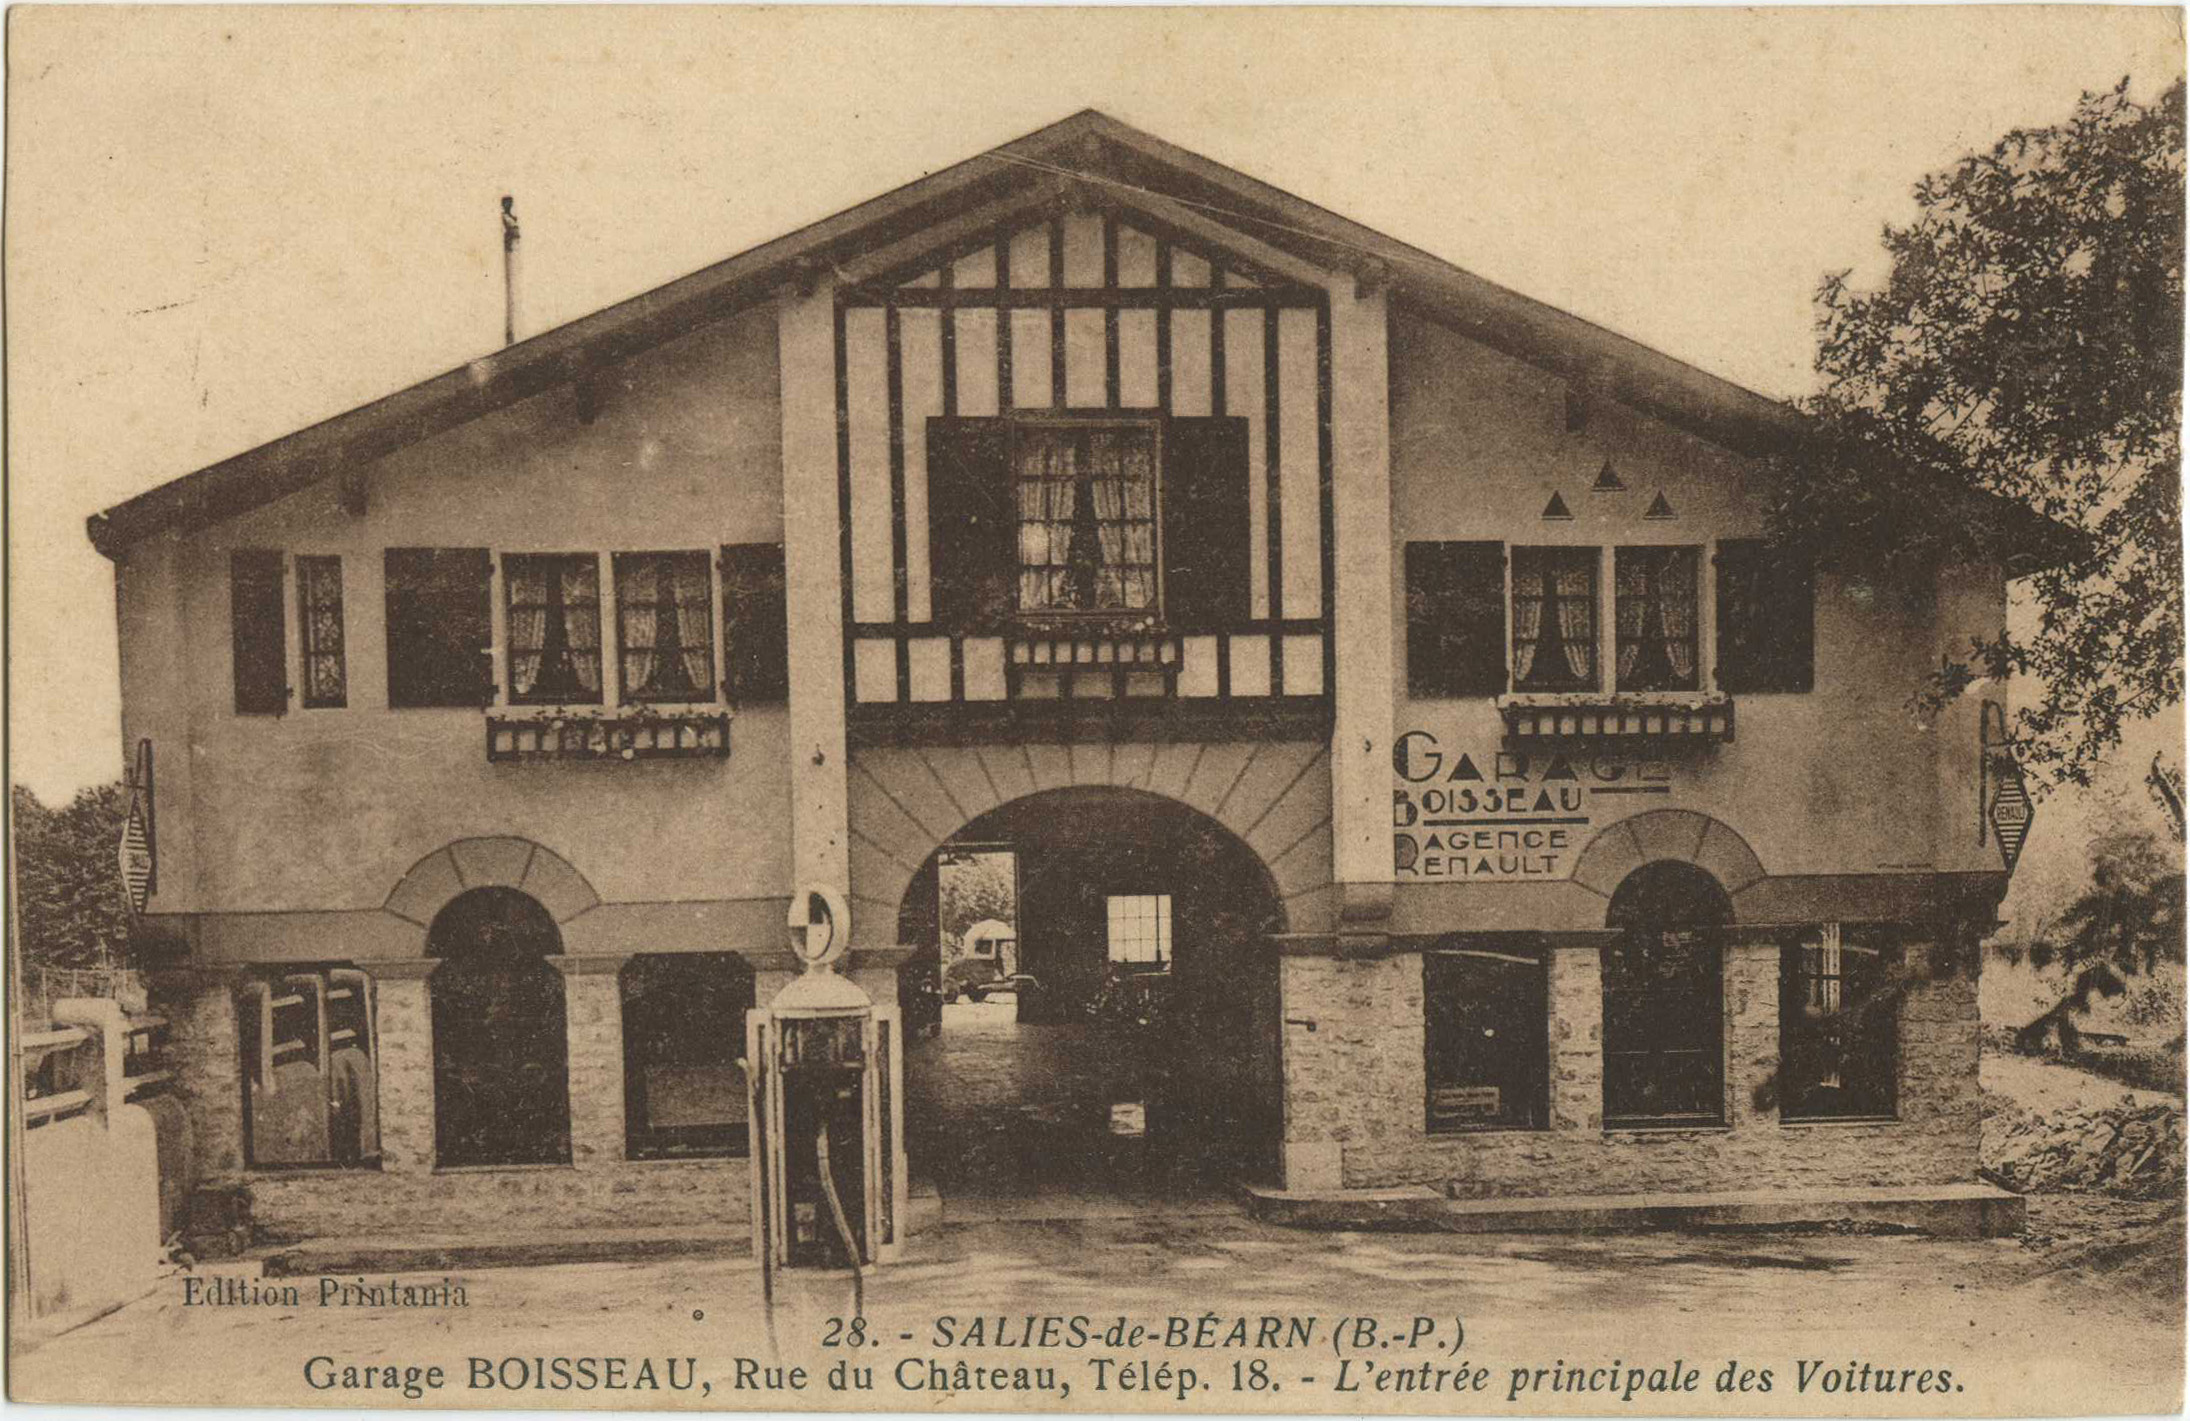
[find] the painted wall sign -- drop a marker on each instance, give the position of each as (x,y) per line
(1471,814)
(1478,1101)
(2012,809)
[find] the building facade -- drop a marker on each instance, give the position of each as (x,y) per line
(1393,665)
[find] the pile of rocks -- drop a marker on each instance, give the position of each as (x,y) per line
(2131,1150)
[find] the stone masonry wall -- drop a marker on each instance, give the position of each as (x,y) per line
(205,1055)
(593,1018)
(292,1205)
(407,1196)
(403,1034)
(1356,1078)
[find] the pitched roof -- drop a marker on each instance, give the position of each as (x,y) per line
(1088,147)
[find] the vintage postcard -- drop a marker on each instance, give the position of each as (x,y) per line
(1167,710)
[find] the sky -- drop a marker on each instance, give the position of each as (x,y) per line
(226,223)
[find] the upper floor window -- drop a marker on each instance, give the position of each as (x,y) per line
(319,619)
(1087,517)
(1767,615)
(665,615)
(1047,517)
(1655,603)
(439,626)
(554,637)
(1838,1025)
(1555,619)
(1456,619)
(258,635)
(1140,930)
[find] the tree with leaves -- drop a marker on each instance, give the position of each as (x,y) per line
(2029,337)
(2127,921)
(68,889)
(974,886)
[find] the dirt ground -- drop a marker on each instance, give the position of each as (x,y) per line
(2036,1083)
(2017,1336)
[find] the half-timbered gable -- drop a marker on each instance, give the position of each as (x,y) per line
(1086,459)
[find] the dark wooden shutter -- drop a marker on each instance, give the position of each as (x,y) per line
(1456,619)
(755,635)
(258,632)
(1766,618)
(438,626)
(973,526)
(1205,546)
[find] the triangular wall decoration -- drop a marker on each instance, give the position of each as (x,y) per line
(1608,480)
(1557,508)
(1659,508)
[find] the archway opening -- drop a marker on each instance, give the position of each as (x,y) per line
(501,1084)
(1664,1009)
(1093,1003)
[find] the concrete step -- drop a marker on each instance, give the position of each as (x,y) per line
(1949,1210)
(380,1254)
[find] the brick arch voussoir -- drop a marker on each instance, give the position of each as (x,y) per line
(493,861)
(874,895)
(1683,835)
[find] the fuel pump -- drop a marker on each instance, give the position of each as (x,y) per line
(827,1069)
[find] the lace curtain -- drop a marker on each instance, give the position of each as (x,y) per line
(1528,625)
(528,616)
(1125,513)
(695,637)
(554,626)
(1656,606)
(1578,620)
(665,608)
(582,622)
(1087,520)
(1561,585)
(637,591)
(1048,497)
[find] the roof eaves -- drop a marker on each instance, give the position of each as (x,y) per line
(1627,370)
(493,381)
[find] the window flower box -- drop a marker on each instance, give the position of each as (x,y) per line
(634,734)
(1658,720)
(1092,663)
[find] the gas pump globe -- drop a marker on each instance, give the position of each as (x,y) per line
(827,1071)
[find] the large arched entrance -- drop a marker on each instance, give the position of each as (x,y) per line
(1092,1007)
(501,1087)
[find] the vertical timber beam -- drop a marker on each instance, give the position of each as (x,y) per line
(1360,603)
(814,574)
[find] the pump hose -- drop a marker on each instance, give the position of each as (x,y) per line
(767,1241)
(843,1225)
